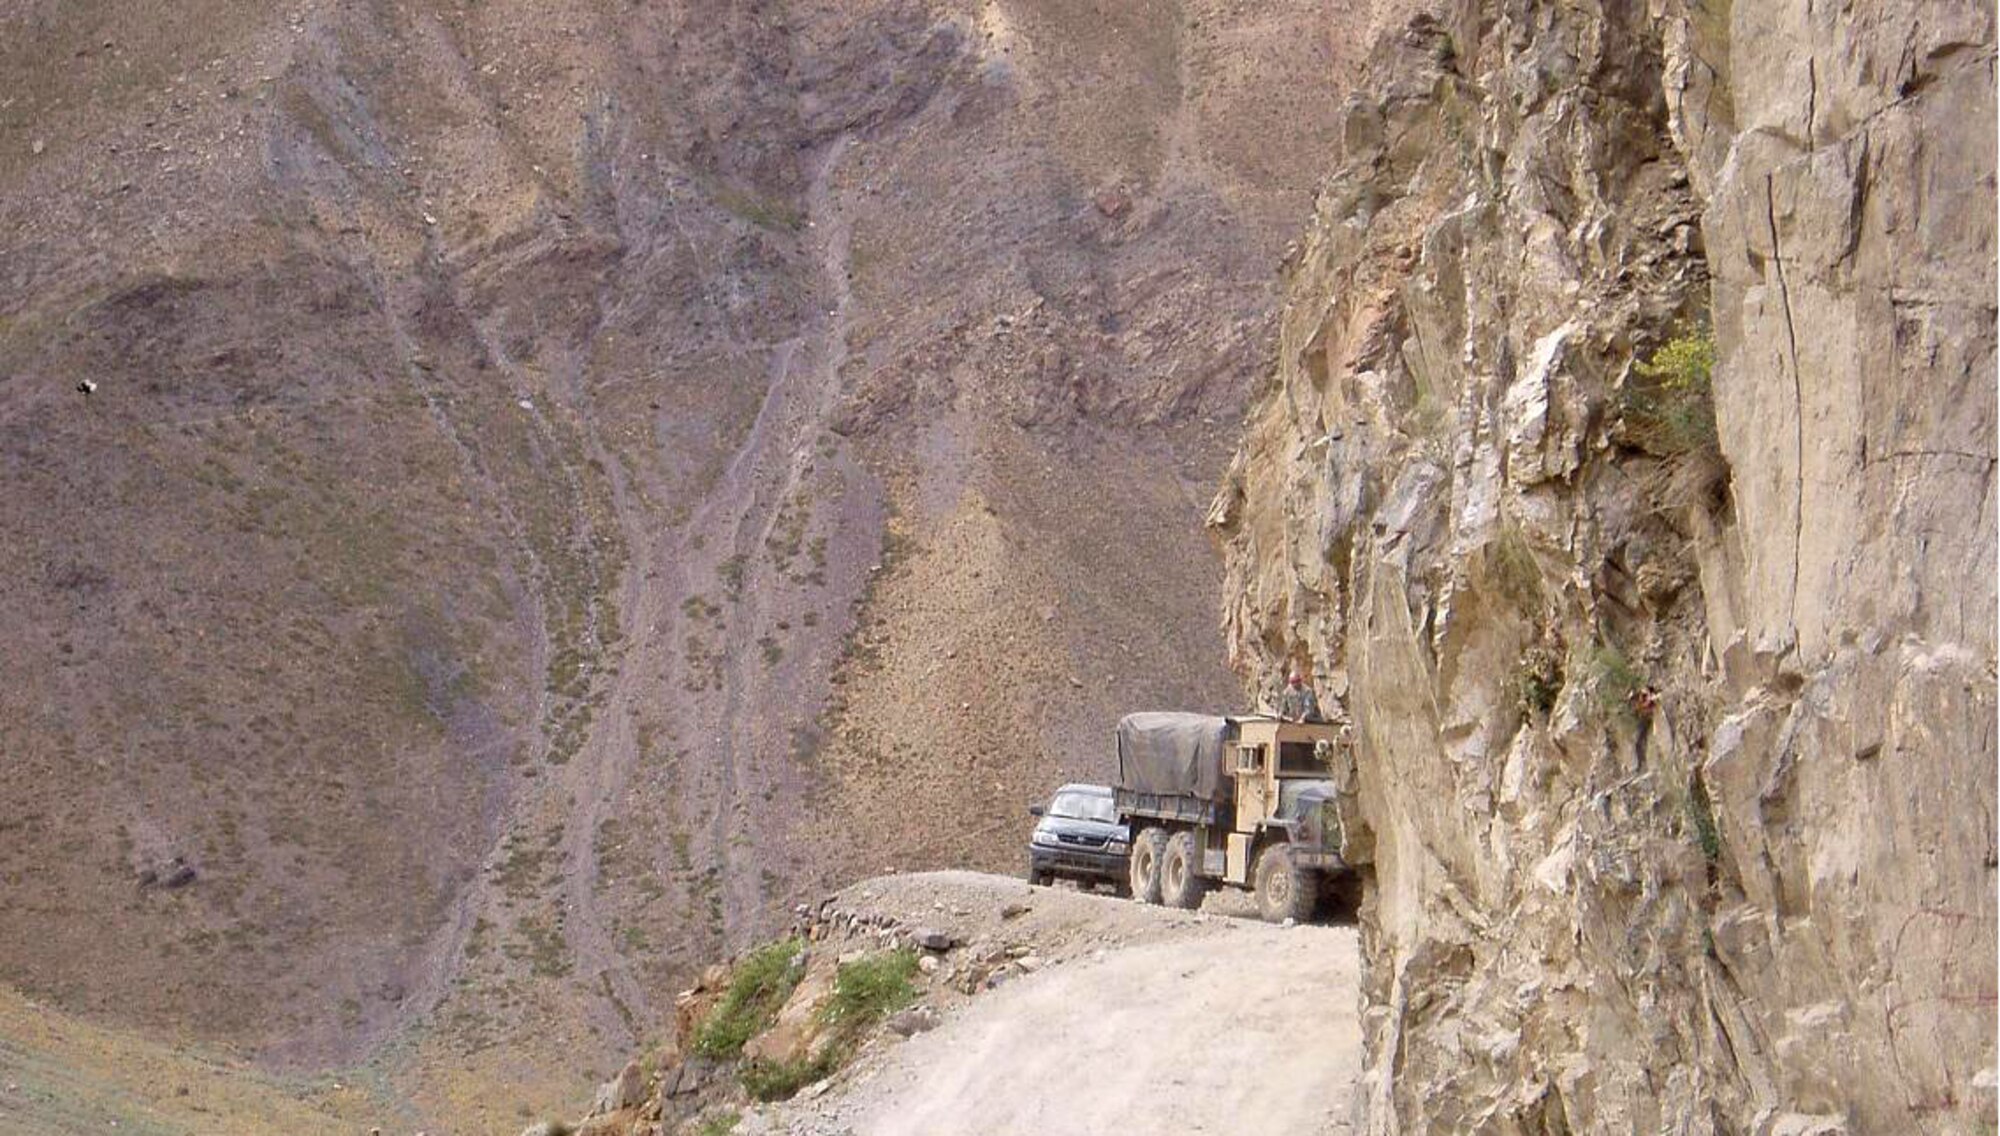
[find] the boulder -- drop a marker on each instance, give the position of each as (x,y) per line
(915,1020)
(624,1091)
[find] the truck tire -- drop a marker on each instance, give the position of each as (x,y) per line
(1181,882)
(1284,890)
(1147,850)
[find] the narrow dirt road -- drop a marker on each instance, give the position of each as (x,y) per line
(1142,1020)
(1236,1034)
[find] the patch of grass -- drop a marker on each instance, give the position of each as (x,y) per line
(757,991)
(719,1124)
(542,946)
(1611,679)
(781,1080)
(867,990)
(730,572)
(864,992)
(1701,818)
(1512,564)
(764,212)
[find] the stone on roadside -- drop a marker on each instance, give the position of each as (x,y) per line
(624,1091)
(915,1020)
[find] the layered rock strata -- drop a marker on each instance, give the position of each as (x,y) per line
(1673,681)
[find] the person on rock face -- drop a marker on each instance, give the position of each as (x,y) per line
(1298,703)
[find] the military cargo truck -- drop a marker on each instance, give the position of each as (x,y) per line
(1253,802)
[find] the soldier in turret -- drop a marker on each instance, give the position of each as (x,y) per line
(1298,703)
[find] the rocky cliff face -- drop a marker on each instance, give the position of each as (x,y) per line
(1674,683)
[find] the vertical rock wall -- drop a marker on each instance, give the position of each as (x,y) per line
(1676,692)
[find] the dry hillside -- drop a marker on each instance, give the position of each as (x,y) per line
(510,495)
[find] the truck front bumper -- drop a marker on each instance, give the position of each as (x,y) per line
(1323,859)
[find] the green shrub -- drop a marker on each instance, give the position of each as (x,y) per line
(781,1080)
(1672,408)
(1669,410)
(1539,681)
(864,992)
(720,1124)
(1611,679)
(757,991)
(870,989)
(1701,817)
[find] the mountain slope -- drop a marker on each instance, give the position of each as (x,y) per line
(561,482)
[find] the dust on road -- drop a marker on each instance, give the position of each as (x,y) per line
(1228,1026)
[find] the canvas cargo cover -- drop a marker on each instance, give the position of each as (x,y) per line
(1178,754)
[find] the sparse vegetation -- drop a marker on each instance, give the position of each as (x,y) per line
(1701,818)
(1513,567)
(764,212)
(730,572)
(1539,681)
(1669,410)
(757,990)
(1610,679)
(719,1124)
(779,1080)
(869,989)
(1675,406)
(864,992)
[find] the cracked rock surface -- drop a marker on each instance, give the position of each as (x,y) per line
(1678,748)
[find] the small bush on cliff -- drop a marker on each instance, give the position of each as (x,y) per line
(1538,682)
(757,991)
(1669,410)
(1513,567)
(1673,407)
(1611,679)
(1701,818)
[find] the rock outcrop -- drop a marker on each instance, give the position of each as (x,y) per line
(1674,680)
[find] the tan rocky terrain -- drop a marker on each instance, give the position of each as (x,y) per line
(505,499)
(1033,1008)
(502,498)
(1628,475)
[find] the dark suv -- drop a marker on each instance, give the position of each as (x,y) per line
(1079,838)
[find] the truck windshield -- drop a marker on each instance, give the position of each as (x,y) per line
(1083,806)
(1297,759)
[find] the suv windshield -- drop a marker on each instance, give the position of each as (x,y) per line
(1083,806)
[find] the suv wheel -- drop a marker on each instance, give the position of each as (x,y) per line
(1284,890)
(1147,851)
(1181,884)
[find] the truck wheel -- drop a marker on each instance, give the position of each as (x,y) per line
(1147,851)
(1181,884)
(1284,890)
